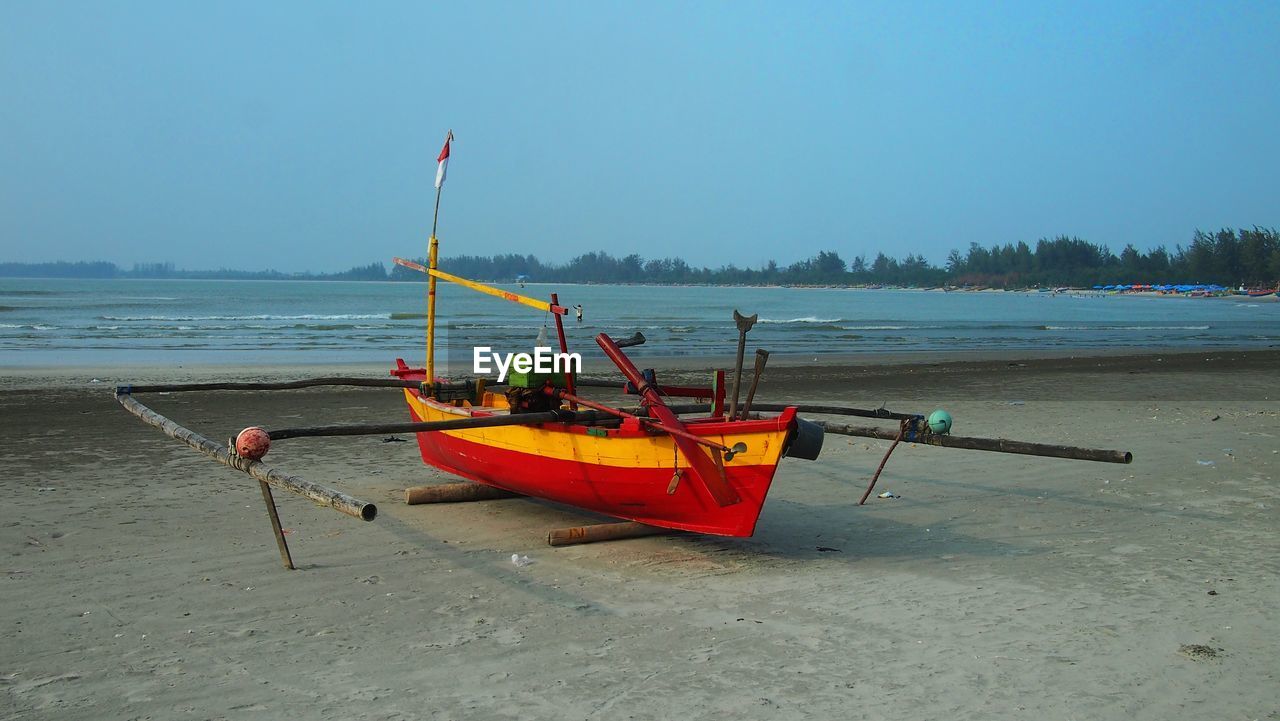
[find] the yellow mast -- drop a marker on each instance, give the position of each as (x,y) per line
(431,310)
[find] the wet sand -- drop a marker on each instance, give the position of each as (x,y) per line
(141,580)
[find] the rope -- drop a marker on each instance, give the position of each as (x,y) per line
(675,470)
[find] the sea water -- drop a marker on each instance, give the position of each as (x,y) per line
(121,322)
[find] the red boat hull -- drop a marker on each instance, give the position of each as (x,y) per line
(626,473)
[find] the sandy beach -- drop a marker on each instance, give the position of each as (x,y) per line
(141,579)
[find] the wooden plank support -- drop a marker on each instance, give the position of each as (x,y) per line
(321,494)
(603,532)
(454,493)
(275,525)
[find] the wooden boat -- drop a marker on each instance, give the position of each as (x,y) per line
(624,472)
(680,477)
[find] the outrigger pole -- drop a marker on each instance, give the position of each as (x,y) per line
(266,475)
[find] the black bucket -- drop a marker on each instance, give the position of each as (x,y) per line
(805,441)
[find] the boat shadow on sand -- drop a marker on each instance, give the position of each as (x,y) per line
(789,531)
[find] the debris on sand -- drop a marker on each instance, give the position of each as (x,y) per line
(1199,651)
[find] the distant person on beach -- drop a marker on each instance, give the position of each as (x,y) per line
(578,309)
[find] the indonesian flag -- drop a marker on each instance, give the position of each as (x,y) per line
(443,160)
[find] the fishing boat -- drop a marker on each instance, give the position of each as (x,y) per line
(709,474)
(705,467)
(624,471)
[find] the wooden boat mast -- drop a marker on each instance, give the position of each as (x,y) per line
(433,273)
(432,255)
(431,303)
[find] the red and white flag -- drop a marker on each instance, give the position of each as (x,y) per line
(443,160)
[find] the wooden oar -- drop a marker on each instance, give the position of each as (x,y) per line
(729,453)
(701,465)
(744,324)
(762,357)
(564,347)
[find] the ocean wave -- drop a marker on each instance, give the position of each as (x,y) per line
(192,318)
(815,328)
(1124,327)
(806,319)
(492,326)
(28,326)
(342,326)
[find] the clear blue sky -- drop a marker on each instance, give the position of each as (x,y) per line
(303,136)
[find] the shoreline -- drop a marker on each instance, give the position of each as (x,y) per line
(1051,290)
(782,368)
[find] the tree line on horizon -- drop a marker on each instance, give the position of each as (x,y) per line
(1228,257)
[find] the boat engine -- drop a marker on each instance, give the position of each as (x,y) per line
(531,400)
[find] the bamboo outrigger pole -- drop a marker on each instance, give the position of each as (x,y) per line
(225,455)
(266,475)
(997,445)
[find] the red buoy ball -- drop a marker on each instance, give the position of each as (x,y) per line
(253,443)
